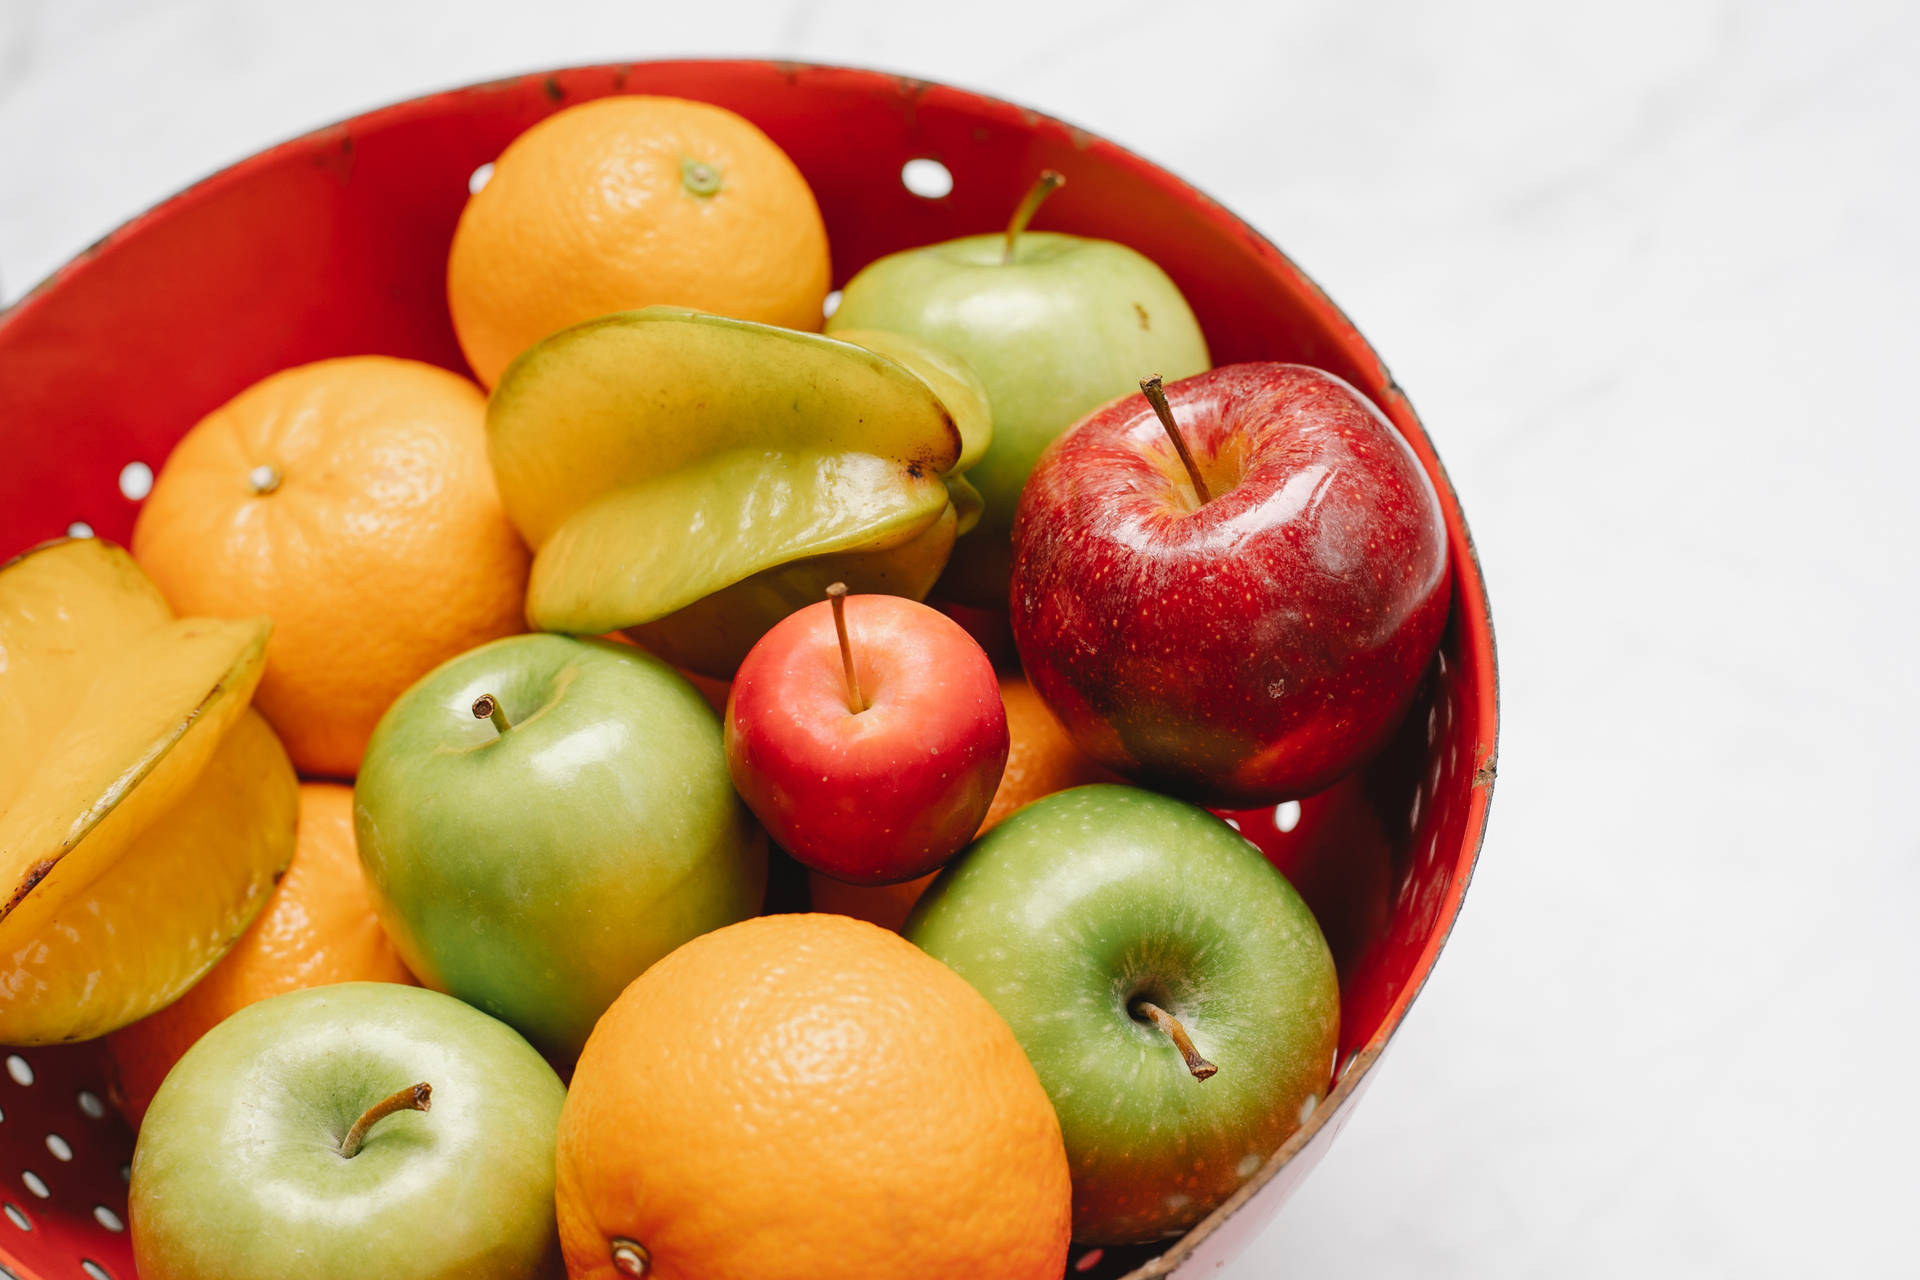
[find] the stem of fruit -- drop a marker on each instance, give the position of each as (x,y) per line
(1044,186)
(1150,388)
(837,593)
(415,1097)
(264,479)
(487,707)
(1166,1022)
(698,177)
(629,1257)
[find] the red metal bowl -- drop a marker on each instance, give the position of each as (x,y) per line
(336,244)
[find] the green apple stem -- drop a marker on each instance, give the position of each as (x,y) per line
(487,707)
(415,1097)
(837,593)
(1048,181)
(1166,1022)
(1150,388)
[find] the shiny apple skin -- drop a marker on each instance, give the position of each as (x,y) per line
(535,872)
(889,793)
(1252,649)
(1051,332)
(238,1173)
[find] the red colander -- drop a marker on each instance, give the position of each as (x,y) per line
(336,244)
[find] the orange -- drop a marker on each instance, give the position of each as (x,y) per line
(1042,758)
(808,1097)
(351,501)
(317,928)
(886,905)
(626,202)
(1040,761)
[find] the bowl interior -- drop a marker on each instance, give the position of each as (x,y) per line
(335,244)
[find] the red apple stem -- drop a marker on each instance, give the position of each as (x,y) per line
(1150,388)
(415,1097)
(487,707)
(837,593)
(1166,1022)
(1044,186)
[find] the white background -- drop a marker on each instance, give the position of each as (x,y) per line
(1649,270)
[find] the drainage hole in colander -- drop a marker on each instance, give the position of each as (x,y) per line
(928,179)
(136,481)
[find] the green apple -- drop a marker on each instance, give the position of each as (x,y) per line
(655,458)
(1172,990)
(542,818)
(1053,325)
(364,1129)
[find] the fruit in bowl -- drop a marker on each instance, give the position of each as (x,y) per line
(628,202)
(541,819)
(145,808)
(1171,989)
(692,479)
(1231,588)
(358,1129)
(89,395)
(867,734)
(350,501)
(807,1097)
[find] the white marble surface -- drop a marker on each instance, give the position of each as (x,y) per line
(1648,269)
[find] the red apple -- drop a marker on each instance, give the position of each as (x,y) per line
(869,742)
(1245,630)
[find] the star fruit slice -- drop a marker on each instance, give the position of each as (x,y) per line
(656,457)
(112,711)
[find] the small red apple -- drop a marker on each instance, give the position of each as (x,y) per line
(1245,623)
(867,733)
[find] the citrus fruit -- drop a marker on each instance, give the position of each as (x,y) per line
(351,501)
(886,905)
(145,809)
(317,928)
(1042,758)
(808,1096)
(1040,761)
(626,202)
